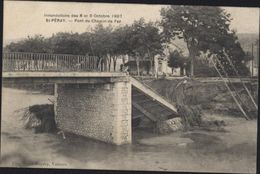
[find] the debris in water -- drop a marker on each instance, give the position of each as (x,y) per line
(40,118)
(62,133)
(189,112)
(170,125)
(190,109)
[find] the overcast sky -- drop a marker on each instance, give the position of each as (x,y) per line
(27,18)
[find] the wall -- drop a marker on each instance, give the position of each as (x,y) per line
(99,111)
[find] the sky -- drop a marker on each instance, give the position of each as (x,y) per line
(27,18)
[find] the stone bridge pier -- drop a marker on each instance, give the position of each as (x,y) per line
(100,110)
(99,105)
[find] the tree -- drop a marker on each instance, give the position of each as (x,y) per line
(67,43)
(107,43)
(119,44)
(143,39)
(177,60)
(232,48)
(35,44)
(202,28)
(86,43)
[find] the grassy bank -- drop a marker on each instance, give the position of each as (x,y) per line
(211,96)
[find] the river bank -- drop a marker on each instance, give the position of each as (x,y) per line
(212,96)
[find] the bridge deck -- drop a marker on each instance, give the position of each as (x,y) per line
(63,77)
(61,74)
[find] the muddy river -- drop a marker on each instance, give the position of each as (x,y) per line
(231,150)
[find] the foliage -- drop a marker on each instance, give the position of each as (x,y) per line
(107,43)
(176,60)
(101,40)
(31,44)
(203,28)
(68,43)
(144,38)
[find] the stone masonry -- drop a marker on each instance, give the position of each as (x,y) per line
(99,111)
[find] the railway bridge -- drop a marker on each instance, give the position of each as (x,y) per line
(89,100)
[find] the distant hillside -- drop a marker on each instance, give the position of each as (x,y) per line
(246,40)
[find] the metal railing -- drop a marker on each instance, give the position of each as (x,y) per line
(20,61)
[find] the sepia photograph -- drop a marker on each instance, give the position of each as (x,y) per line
(129,87)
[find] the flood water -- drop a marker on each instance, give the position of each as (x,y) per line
(230,151)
